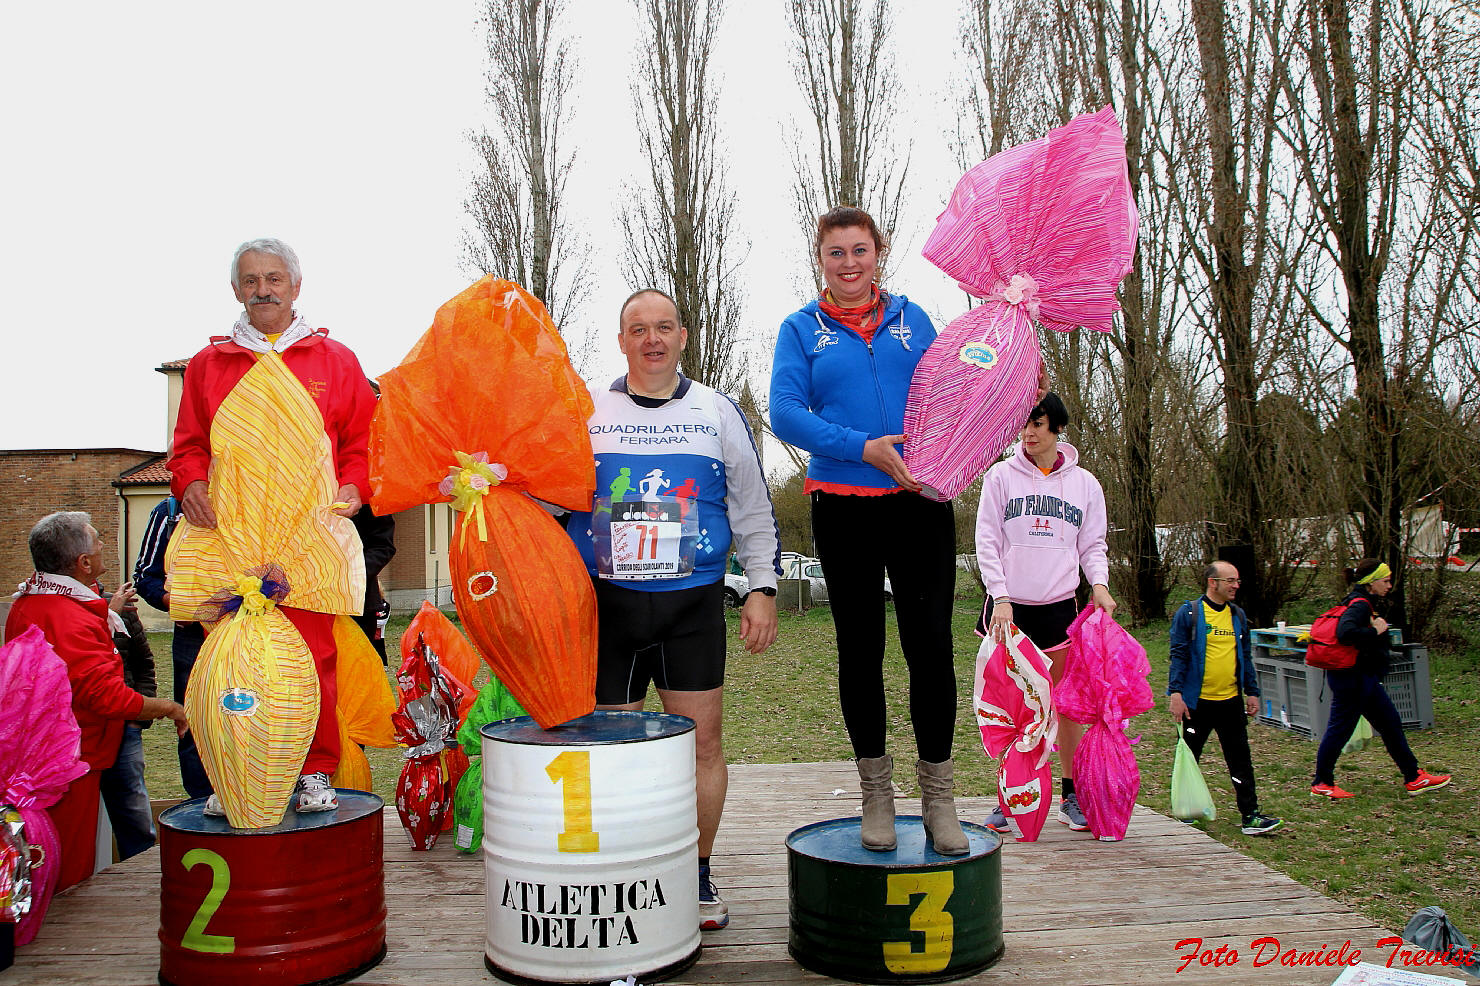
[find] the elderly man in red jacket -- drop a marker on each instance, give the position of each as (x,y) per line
(266,278)
(69,558)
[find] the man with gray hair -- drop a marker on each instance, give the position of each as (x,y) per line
(266,278)
(58,598)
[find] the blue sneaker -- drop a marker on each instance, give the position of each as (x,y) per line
(1070,814)
(714,913)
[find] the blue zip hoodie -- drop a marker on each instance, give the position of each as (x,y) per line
(831,392)
(1189,651)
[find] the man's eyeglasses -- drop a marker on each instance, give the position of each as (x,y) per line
(1229,581)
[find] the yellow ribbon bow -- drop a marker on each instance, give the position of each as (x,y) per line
(468,483)
(254,602)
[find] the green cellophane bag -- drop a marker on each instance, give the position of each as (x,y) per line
(1361,736)
(492,704)
(467,808)
(1190,798)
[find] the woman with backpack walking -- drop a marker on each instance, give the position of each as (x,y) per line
(1357,691)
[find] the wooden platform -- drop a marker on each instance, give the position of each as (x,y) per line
(1077,911)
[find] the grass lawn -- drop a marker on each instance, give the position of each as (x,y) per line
(1382,852)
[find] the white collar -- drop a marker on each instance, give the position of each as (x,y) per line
(247,336)
(52,584)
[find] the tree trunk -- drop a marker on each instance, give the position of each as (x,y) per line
(1351,164)
(1141,356)
(680,227)
(1231,286)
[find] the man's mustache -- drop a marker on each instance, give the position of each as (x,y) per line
(270,299)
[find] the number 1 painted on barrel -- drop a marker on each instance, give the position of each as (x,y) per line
(574,768)
(929,918)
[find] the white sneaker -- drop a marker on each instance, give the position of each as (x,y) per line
(213,808)
(714,913)
(315,793)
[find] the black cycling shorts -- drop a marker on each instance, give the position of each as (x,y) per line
(674,639)
(1046,625)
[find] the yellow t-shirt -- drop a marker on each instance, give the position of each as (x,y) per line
(1220,663)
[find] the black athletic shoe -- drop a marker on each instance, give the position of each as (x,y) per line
(1257,824)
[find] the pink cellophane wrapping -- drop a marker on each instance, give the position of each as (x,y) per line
(1014,708)
(1044,231)
(959,417)
(39,746)
(1104,685)
(39,737)
(40,832)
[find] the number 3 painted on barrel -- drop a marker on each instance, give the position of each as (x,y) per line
(929,918)
(574,768)
(195,936)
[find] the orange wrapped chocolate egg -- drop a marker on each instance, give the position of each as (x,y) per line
(486,412)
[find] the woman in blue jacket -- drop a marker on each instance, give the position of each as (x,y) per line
(1357,691)
(839,382)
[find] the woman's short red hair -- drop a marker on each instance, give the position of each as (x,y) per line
(845,217)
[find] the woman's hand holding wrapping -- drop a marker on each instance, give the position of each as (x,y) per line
(883,456)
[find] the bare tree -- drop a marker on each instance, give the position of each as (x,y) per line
(1142,338)
(1232,279)
(1383,137)
(516,202)
(1246,238)
(1014,76)
(1036,64)
(845,68)
(680,229)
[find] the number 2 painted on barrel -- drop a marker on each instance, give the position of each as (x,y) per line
(574,768)
(929,918)
(195,937)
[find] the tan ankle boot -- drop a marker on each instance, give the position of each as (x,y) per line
(875,778)
(939,807)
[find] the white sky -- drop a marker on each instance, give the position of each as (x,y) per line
(142,142)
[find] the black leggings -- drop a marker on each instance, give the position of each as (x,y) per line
(1354,694)
(914,539)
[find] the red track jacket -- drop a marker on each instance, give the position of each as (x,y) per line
(329,371)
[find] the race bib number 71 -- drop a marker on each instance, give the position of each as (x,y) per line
(648,539)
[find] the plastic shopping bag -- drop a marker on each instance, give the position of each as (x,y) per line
(1430,929)
(1190,798)
(1361,736)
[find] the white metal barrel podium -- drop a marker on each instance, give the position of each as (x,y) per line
(590,848)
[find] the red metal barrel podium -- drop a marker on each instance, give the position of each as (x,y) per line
(298,903)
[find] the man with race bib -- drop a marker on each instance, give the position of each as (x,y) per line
(678,478)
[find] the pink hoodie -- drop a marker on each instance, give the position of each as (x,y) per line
(1033,532)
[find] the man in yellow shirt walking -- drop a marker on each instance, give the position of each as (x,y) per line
(1210,665)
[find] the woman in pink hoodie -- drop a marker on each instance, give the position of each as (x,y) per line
(1042,519)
